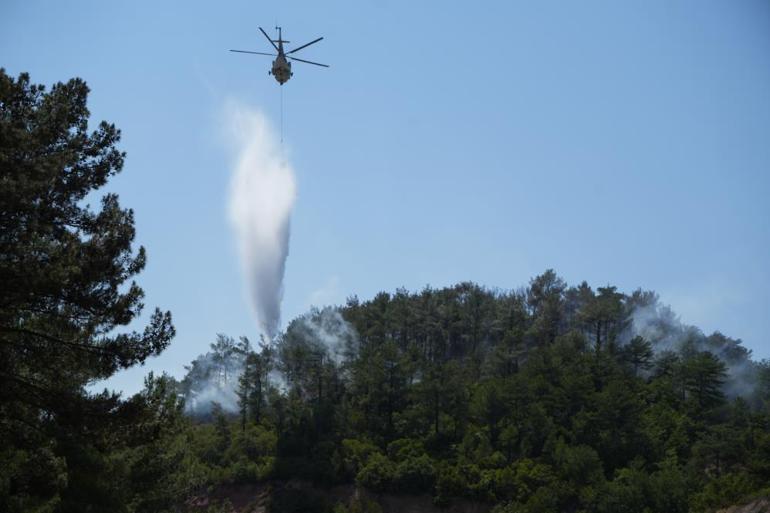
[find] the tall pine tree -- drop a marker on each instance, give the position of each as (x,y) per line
(66,275)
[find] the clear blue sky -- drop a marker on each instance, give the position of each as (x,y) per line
(617,142)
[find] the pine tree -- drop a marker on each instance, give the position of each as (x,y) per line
(638,352)
(67,282)
(704,375)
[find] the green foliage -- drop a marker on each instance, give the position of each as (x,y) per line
(670,487)
(725,490)
(67,293)
(378,475)
(535,399)
(253,383)
(355,454)
(704,375)
(450,482)
(627,493)
(255,442)
(414,474)
(578,465)
(639,354)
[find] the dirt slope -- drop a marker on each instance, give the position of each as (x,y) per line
(757,506)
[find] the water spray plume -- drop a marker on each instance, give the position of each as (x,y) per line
(262,193)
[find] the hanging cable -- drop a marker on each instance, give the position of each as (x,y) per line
(281,88)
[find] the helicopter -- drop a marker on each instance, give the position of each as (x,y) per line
(281,69)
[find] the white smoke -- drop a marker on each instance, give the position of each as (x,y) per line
(200,401)
(262,193)
(313,342)
(658,324)
(328,328)
(211,379)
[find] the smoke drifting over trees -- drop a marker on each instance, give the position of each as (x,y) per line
(226,374)
(589,400)
(487,332)
(659,325)
(213,377)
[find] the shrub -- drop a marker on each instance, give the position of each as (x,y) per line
(378,473)
(404,448)
(723,491)
(355,454)
(449,483)
(415,474)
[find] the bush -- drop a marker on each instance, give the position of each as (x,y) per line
(724,491)
(503,484)
(529,476)
(256,442)
(355,454)
(245,471)
(412,471)
(547,499)
(378,473)
(415,475)
(627,493)
(580,465)
(404,448)
(669,488)
(449,483)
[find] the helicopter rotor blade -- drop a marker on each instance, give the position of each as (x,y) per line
(255,53)
(268,38)
(305,45)
(308,62)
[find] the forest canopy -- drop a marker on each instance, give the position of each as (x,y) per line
(546,398)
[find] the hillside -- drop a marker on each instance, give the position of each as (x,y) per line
(547,398)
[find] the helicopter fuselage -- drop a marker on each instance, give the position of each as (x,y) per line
(281,66)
